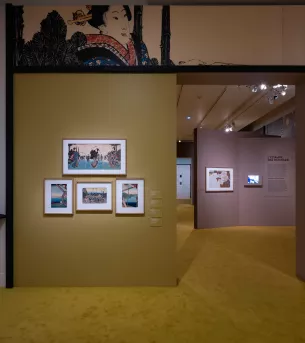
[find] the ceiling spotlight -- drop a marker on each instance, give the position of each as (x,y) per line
(273,92)
(229,128)
(179,141)
(188,118)
(200,127)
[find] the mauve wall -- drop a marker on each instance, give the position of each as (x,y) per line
(245,153)
(216,149)
(256,206)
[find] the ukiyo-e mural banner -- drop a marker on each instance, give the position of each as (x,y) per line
(121,35)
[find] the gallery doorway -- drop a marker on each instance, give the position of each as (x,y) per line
(183,181)
(276,118)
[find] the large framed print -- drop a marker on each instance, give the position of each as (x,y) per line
(58,196)
(94,196)
(130,196)
(94,157)
(219,179)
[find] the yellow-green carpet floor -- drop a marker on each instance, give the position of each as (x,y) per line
(236,285)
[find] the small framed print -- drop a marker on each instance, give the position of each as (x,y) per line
(94,157)
(130,196)
(254,180)
(94,196)
(58,196)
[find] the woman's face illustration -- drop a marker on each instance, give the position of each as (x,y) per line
(116,24)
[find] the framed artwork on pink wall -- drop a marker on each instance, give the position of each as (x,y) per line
(219,180)
(254,180)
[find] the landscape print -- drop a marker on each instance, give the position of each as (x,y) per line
(94,195)
(94,156)
(59,196)
(253,179)
(130,195)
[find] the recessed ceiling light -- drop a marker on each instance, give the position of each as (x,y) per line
(179,141)
(200,127)
(188,118)
(263,86)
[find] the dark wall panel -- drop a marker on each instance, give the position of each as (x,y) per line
(185,149)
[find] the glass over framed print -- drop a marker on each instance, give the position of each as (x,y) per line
(130,196)
(219,180)
(94,157)
(58,196)
(94,196)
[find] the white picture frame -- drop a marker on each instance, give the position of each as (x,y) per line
(219,179)
(58,196)
(94,196)
(94,157)
(130,196)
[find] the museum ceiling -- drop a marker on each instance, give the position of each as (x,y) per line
(216,107)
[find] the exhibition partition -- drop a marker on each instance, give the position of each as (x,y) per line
(93,73)
(94,248)
(261,186)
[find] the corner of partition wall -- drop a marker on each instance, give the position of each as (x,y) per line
(300,170)
(9,237)
(195,192)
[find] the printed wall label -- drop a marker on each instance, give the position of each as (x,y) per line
(156,203)
(155,213)
(156,195)
(156,222)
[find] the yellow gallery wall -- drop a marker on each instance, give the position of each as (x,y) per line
(94,249)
